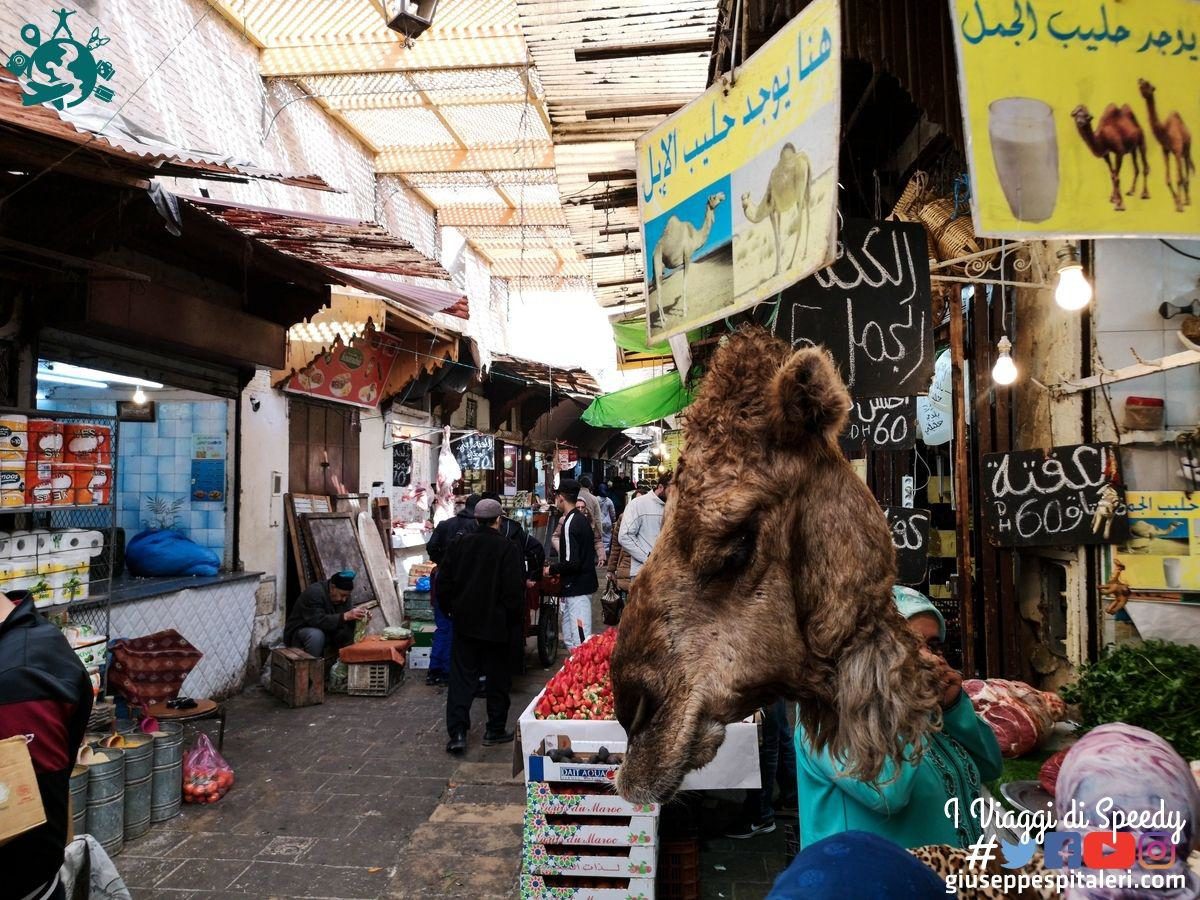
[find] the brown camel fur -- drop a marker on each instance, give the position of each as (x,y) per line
(771,578)
(1176,143)
(1117,135)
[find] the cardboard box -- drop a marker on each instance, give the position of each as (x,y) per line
(534,887)
(423,633)
(621,823)
(20,800)
(418,657)
(734,766)
(542,797)
(617,862)
(635,831)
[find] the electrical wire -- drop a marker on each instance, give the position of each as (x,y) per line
(1171,246)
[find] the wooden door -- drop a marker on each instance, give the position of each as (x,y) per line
(322,448)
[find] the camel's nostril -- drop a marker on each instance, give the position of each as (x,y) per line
(635,709)
(640,718)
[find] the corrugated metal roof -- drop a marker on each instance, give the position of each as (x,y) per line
(462,99)
(575,382)
(587,148)
(362,255)
(74,140)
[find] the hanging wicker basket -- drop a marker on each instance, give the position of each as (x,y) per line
(935,216)
(957,239)
(904,210)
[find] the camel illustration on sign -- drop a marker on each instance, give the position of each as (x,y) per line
(675,248)
(1176,142)
(787,189)
(1117,136)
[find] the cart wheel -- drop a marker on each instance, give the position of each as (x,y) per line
(547,633)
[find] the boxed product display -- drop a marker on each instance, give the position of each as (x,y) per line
(576,820)
(542,887)
(727,770)
(589,862)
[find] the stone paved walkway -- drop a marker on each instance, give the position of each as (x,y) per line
(355,798)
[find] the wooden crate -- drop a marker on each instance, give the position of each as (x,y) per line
(375,679)
(297,678)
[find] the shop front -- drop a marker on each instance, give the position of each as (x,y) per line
(132,358)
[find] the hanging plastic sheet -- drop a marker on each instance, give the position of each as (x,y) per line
(647,402)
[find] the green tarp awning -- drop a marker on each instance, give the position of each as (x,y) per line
(630,335)
(639,405)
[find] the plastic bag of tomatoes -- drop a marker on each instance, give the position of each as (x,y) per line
(207,777)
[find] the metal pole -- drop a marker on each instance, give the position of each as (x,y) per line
(962,510)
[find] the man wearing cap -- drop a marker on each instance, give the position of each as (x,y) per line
(320,618)
(481,584)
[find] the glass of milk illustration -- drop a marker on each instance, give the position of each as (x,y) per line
(1025,149)
(1173,573)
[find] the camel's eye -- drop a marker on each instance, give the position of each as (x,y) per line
(740,553)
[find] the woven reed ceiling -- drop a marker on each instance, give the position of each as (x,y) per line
(491,118)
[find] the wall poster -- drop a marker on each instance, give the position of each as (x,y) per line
(737,191)
(1162,552)
(1078,115)
(208,468)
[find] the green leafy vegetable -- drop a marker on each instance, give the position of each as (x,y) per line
(1155,685)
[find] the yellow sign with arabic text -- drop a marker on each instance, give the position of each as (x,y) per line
(1163,549)
(1078,115)
(738,190)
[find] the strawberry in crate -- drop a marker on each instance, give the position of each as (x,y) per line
(582,688)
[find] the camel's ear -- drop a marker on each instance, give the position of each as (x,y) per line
(807,397)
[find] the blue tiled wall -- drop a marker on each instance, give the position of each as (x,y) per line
(154,459)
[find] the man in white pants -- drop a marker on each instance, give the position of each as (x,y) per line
(576,566)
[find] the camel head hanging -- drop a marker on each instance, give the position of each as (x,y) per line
(771,578)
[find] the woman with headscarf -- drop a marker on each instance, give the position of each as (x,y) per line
(907,803)
(1137,772)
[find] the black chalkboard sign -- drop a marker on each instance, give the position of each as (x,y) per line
(870,309)
(910,537)
(1069,495)
(881,423)
(476,451)
(402,464)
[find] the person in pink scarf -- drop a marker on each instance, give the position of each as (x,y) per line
(1137,771)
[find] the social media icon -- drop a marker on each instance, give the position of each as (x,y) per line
(1063,849)
(1017,856)
(1105,850)
(1156,850)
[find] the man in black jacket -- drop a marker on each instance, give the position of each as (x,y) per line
(481,584)
(534,555)
(445,534)
(319,617)
(576,565)
(46,696)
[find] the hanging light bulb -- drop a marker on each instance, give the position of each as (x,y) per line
(139,396)
(528,456)
(1073,291)
(1005,370)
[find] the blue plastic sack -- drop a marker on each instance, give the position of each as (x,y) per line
(422,583)
(162,553)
